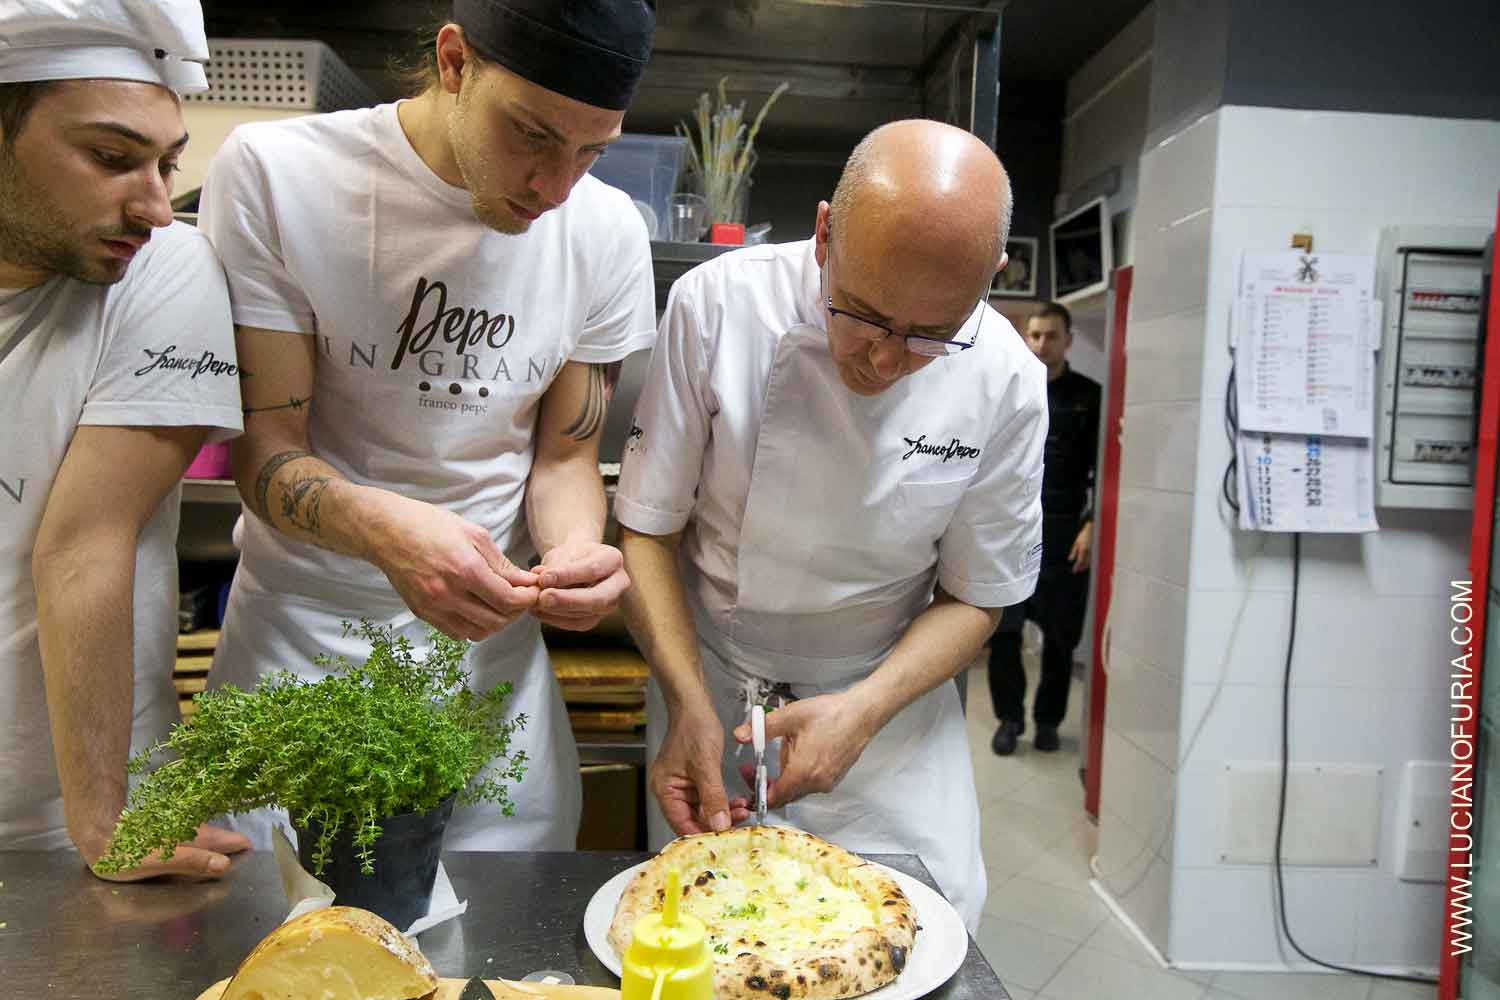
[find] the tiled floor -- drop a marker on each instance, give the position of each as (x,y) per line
(1044,931)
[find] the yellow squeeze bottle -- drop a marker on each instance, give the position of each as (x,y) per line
(668,956)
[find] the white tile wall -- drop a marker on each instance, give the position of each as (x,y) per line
(1177,177)
(1137,788)
(1416,553)
(1371,666)
(1171,267)
(1144,706)
(1398,166)
(1153,533)
(1173,339)
(1344,639)
(1161,446)
(1172,222)
(1148,619)
(1124,853)
(1400,925)
(1223,917)
(1174,379)
(1223,557)
(1330,725)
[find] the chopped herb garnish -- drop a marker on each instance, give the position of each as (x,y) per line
(801,884)
(749,910)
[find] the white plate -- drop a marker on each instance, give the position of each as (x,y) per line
(939,950)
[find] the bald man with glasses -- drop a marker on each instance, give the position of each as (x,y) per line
(831,489)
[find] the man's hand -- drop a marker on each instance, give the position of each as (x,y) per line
(685,776)
(580,583)
(206,856)
(821,738)
(449,571)
(1078,555)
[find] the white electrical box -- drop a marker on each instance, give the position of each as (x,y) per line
(1430,281)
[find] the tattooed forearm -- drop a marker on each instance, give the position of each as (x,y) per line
(301,498)
(293,403)
(267,473)
(601,386)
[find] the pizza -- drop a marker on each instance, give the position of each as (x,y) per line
(788,916)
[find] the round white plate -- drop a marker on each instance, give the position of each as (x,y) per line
(941,944)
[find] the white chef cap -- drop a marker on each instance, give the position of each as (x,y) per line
(157,41)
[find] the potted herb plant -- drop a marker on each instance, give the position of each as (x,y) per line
(367,761)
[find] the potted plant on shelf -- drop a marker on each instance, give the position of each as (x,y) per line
(367,761)
(721,156)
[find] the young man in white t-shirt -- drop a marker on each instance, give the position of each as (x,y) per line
(116,364)
(432,297)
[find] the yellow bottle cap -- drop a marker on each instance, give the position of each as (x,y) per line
(668,957)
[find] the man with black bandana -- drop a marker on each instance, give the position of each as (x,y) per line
(431,300)
(1062,589)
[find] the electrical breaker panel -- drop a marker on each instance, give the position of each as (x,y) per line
(1430,279)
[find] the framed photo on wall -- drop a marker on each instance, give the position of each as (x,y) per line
(1018,280)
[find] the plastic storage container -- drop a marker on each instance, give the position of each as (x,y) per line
(646,167)
(280,73)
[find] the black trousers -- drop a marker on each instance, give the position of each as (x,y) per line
(1057,607)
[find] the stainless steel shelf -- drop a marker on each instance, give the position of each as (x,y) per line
(670,261)
(210,491)
(611,748)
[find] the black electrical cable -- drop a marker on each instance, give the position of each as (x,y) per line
(1286,757)
(1231,429)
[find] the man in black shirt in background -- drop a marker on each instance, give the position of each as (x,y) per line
(1061,594)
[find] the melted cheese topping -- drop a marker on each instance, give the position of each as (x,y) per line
(773,905)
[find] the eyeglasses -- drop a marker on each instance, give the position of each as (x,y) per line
(928,347)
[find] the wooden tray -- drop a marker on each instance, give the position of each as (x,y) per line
(608,669)
(200,641)
(504,989)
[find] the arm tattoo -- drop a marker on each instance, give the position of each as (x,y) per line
(292,403)
(301,497)
(267,473)
(602,382)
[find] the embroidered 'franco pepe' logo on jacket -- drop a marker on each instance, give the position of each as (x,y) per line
(166,360)
(953,449)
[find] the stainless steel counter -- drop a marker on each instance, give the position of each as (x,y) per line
(65,935)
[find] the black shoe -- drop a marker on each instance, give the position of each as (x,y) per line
(1004,742)
(1046,739)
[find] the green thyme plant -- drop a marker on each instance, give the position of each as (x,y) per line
(390,736)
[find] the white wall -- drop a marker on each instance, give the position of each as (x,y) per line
(1148,616)
(1370,672)
(1371,668)
(1104,121)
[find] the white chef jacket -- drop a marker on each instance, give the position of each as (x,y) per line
(436,338)
(815,523)
(155,349)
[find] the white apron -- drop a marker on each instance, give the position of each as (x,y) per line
(263,632)
(912,790)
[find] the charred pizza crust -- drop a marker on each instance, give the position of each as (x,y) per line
(789,915)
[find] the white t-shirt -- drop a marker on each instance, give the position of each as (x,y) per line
(815,521)
(155,349)
(436,336)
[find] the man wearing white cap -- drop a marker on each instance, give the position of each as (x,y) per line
(433,297)
(116,364)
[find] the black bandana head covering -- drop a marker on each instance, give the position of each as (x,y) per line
(593,51)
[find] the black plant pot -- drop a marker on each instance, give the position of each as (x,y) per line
(406,861)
